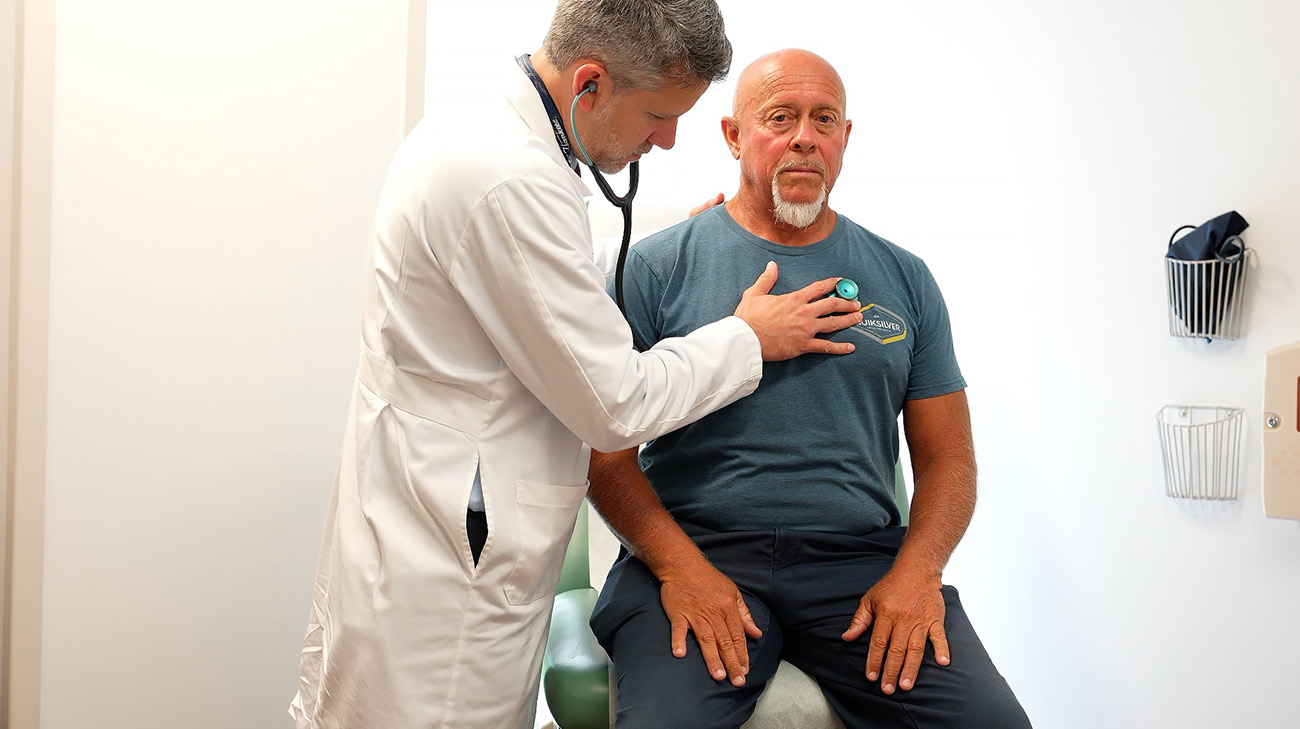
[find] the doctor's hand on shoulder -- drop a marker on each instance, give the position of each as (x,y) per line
(787,325)
(712,202)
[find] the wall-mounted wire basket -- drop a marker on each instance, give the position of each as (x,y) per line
(1202,451)
(1206,298)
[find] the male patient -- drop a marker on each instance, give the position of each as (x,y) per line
(771,530)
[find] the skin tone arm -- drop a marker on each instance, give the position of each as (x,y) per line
(905,608)
(695,596)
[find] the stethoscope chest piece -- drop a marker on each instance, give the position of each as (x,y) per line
(846,289)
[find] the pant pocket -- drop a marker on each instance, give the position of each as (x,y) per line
(545,514)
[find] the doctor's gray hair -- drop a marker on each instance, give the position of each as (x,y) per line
(642,43)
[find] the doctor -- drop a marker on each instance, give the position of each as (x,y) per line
(490,354)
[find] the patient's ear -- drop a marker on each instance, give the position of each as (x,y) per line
(731,133)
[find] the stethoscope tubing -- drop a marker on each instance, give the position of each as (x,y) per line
(623,203)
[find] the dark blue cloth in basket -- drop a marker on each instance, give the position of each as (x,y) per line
(1201,294)
(1215,238)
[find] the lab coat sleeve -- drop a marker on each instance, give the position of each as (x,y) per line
(525,263)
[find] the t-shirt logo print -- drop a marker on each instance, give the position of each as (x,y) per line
(881,324)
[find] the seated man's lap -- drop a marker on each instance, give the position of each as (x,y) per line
(967,692)
(818,583)
(802,589)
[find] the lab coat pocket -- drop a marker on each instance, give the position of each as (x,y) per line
(545,514)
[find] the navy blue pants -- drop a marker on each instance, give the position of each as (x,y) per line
(802,589)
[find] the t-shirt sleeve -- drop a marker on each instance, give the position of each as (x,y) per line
(934,360)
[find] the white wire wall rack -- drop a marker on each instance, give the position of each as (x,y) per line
(1202,451)
(1206,298)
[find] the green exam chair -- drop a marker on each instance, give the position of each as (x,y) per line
(575,669)
(576,675)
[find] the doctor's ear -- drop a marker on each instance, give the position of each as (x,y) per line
(587,80)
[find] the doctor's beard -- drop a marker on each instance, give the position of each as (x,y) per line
(604,147)
(796,214)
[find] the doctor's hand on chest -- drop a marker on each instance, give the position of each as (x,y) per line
(787,325)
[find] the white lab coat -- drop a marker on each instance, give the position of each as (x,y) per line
(489,345)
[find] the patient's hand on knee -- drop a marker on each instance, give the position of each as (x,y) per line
(697,597)
(903,611)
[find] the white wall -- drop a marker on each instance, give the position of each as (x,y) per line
(216,166)
(1038,155)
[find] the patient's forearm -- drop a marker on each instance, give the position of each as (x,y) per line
(627,501)
(943,462)
(943,503)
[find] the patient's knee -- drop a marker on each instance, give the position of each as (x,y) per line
(660,712)
(683,708)
(1000,710)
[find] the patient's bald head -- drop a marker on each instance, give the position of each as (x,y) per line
(788,129)
(767,73)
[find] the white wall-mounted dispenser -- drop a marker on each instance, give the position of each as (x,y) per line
(1281,463)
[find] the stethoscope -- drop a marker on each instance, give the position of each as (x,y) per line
(623,203)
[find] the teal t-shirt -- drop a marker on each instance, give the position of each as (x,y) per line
(814,447)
